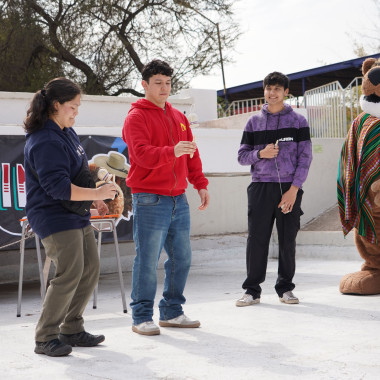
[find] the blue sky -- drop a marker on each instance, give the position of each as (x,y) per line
(293,35)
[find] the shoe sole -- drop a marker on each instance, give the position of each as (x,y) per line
(79,344)
(53,354)
(290,302)
(87,345)
(154,332)
(178,325)
(242,304)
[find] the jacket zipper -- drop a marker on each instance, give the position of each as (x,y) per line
(171,135)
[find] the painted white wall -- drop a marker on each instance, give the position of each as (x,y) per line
(321,185)
(205,103)
(104,111)
(218,149)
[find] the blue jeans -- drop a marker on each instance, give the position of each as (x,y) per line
(160,222)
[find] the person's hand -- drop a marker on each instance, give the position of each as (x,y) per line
(185,147)
(288,199)
(270,151)
(106,191)
(205,199)
(101,207)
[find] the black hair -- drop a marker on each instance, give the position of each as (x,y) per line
(156,67)
(42,105)
(276,78)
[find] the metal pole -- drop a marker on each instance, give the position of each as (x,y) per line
(221,64)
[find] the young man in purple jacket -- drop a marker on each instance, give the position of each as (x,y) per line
(276,143)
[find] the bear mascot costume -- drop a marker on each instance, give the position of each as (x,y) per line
(359,185)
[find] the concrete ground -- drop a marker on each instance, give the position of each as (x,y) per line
(327,336)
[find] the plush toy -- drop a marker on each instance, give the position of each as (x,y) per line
(359,185)
(112,167)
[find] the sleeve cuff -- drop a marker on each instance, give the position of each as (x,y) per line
(255,156)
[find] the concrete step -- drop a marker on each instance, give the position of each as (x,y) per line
(327,245)
(322,238)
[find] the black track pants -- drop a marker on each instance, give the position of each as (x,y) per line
(263,200)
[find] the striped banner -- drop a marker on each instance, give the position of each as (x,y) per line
(13,190)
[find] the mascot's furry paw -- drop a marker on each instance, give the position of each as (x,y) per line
(365,282)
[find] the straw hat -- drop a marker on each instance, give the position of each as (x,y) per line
(114,162)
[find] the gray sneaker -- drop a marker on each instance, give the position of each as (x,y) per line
(146,328)
(247,300)
(181,321)
(289,297)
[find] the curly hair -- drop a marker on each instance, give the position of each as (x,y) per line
(156,67)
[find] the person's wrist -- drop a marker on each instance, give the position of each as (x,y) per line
(258,155)
(294,188)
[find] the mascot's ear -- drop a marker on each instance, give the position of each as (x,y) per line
(367,64)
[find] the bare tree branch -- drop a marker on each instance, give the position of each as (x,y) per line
(104,44)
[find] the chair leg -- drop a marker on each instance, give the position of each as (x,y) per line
(42,280)
(119,268)
(20,277)
(95,299)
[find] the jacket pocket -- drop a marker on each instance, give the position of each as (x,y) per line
(265,167)
(287,161)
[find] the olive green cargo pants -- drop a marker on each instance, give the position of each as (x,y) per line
(74,253)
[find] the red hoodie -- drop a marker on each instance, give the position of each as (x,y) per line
(151,134)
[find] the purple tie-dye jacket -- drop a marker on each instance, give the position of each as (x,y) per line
(293,134)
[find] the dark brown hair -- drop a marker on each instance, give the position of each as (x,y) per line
(42,105)
(156,67)
(276,78)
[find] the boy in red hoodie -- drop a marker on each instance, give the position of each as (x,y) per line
(162,156)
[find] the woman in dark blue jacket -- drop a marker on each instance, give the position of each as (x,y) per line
(59,194)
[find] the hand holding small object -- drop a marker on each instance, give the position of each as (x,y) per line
(270,151)
(108,178)
(184,147)
(192,154)
(107,191)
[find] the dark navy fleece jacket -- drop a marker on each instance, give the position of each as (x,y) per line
(56,156)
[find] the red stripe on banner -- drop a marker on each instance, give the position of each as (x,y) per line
(7,201)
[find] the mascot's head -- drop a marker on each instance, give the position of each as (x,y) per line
(370,100)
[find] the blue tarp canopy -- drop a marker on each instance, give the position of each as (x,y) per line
(343,72)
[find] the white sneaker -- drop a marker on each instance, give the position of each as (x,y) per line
(247,300)
(289,297)
(146,328)
(180,321)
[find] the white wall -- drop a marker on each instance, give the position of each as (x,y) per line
(218,149)
(205,103)
(96,112)
(227,212)
(107,111)
(321,185)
